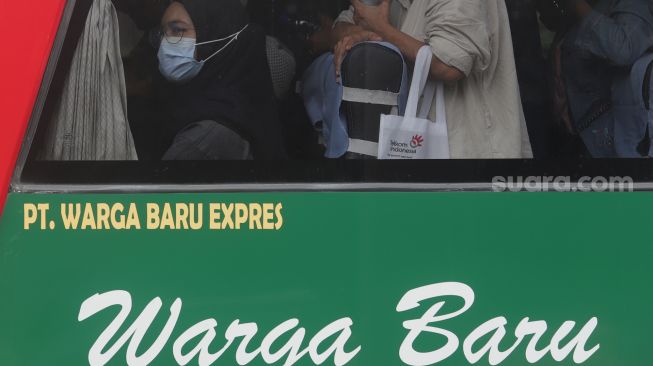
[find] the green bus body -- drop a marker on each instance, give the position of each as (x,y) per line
(365,263)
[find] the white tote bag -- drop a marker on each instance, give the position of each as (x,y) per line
(413,136)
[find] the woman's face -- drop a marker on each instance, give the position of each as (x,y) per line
(176,22)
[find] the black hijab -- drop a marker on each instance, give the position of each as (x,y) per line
(234,87)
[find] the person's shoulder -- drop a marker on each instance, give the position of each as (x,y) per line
(345,16)
(641,8)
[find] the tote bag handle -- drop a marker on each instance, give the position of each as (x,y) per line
(427,90)
(420,78)
(440,111)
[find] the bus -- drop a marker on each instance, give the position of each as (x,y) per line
(253,233)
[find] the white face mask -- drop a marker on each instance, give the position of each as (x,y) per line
(177,61)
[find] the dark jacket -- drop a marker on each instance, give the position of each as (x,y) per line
(234,88)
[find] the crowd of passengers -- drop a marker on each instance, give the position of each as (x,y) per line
(523,78)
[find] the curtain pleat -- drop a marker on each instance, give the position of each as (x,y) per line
(91,121)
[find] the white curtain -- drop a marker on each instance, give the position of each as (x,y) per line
(91,121)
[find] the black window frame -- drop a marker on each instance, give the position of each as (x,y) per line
(292,175)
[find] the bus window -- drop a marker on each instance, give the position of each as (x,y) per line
(259,91)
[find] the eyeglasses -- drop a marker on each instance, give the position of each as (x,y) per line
(173,32)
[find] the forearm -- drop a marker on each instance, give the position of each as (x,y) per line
(620,40)
(342,29)
(409,47)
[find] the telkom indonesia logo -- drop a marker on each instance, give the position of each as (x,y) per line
(416,141)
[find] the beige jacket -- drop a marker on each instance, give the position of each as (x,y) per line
(484,112)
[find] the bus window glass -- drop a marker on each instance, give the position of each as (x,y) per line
(226,86)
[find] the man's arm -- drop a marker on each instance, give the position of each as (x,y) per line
(342,30)
(347,36)
(345,25)
(621,39)
(409,47)
(376,19)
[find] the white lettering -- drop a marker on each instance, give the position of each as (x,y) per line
(136,332)
(340,330)
(194,343)
(494,328)
(412,300)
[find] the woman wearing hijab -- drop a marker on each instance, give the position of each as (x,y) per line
(222,103)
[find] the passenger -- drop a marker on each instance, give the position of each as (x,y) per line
(328,10)
(321,41)
(222,104)
(596,45)
(473,56)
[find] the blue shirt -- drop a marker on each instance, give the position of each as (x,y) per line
(598,54)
